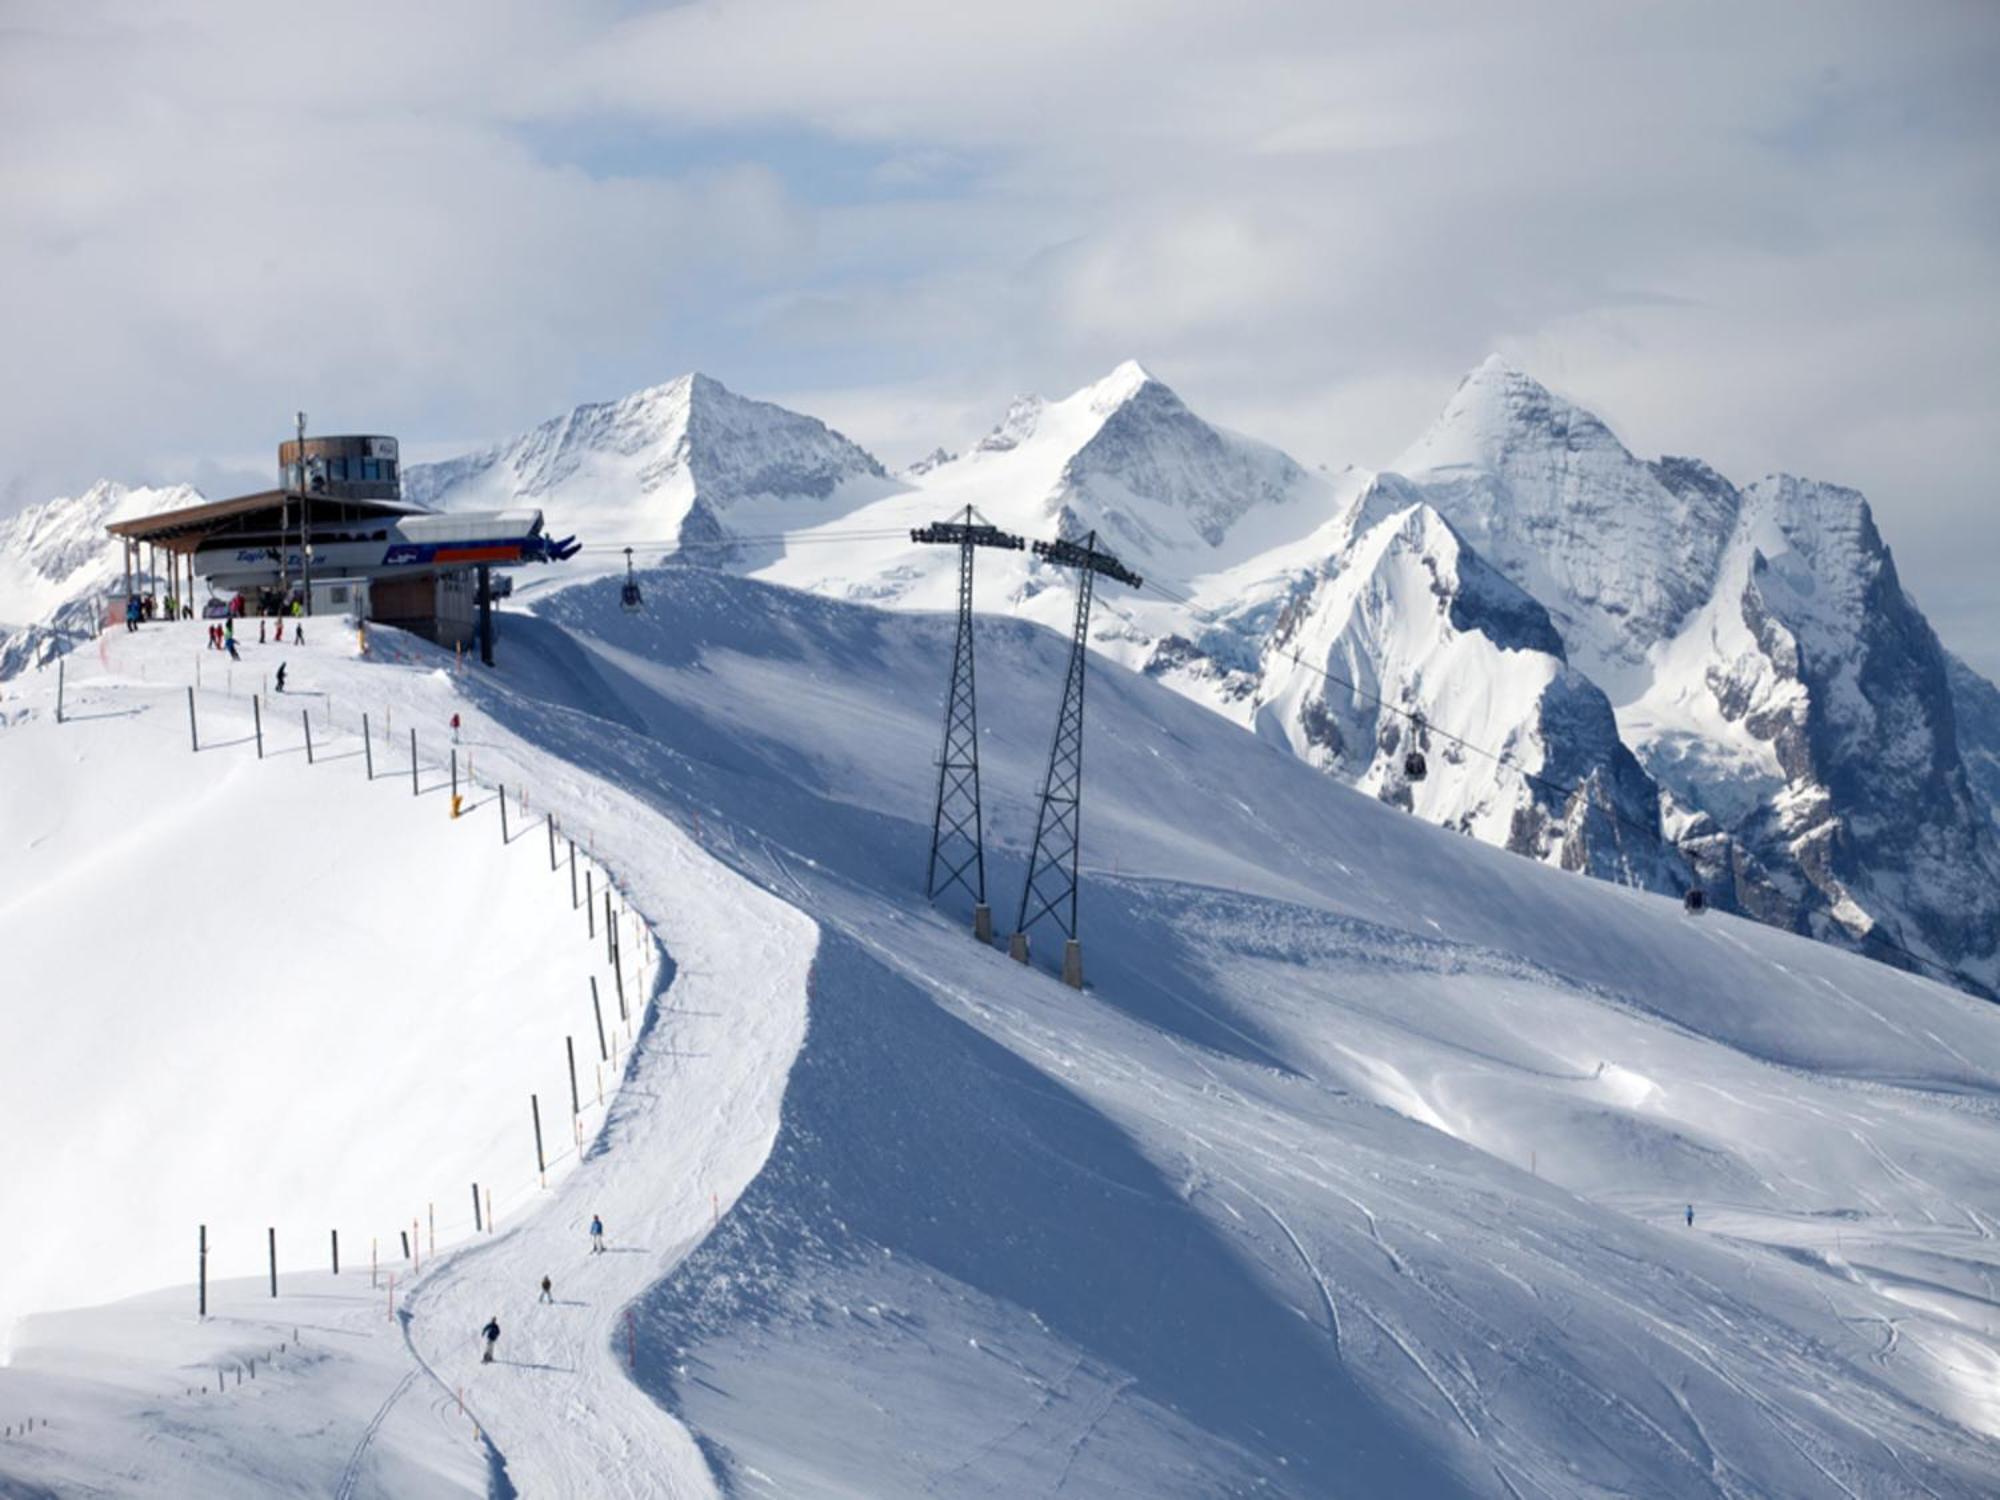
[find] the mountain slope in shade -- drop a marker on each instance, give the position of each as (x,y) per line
(1976,708)
(688,461)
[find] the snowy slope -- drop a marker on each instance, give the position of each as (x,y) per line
(386,1128)
(185,933)
(1357,1170)
(688,461)
(1363,1159)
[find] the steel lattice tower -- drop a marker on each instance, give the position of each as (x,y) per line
(1051,887)
(958,849)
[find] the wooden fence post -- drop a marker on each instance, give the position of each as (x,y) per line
(305,717)
(503,814)
(257,718)
(572,874)
(603,1052)
(575,1104)
(273,1232)
(478,1224)
(194,739)
(413,761)
(336,1252)
(589,905)
(368,747)
(201,1297)
(541,1166)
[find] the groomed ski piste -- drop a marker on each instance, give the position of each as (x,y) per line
(1360,1167)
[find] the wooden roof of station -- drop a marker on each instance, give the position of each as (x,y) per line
(183,530)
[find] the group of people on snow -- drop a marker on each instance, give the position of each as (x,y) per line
(490,1334)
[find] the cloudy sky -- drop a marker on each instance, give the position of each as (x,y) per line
(1767,235)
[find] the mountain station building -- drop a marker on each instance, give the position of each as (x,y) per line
(335,537)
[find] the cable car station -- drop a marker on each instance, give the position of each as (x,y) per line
(337,538)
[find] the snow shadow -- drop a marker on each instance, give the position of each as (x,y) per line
(920,1163)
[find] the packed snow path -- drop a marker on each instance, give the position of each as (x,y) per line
(693,1114)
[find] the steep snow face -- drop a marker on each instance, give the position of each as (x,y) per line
(56,564)
(1409,614)
(1976,707)
(686,461)
(1877,812)
(1152,454)
(1620,551)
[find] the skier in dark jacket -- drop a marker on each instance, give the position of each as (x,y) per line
(491,1333)
(281,677)
(548,1291)
(596,1234)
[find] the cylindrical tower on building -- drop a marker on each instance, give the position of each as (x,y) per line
(342,468)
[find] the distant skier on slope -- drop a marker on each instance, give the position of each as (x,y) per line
(548,1290)
(454,729)
(596,1235)
(1690,1216)
(490,1333)
(281,677)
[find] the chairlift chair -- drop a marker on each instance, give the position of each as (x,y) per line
(629,597)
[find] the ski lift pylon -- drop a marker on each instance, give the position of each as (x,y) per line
(629,597)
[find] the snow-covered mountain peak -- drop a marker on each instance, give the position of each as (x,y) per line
(668,461)
(1496,410)
(1115,389)
(1621,551)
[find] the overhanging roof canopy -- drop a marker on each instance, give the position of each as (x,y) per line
(183,530)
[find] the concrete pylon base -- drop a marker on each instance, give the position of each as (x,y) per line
(982,922)
(1073,964)
(1017,947)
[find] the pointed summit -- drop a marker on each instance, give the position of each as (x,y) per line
(1120,386)
(1498,408)
(1619,550)
(687,458)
